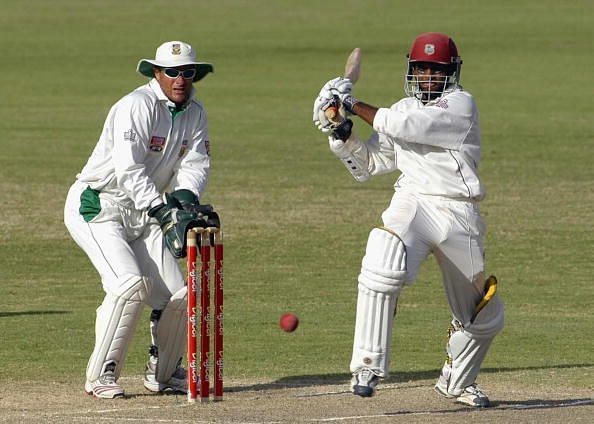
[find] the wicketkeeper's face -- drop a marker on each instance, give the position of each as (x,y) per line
(176,82)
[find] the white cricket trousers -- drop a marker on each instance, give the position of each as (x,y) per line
(453,231)
(122,243)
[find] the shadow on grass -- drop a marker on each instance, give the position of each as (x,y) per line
(21,313)
(542,403)
(395,377)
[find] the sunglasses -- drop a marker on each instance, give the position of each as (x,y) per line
(174,73)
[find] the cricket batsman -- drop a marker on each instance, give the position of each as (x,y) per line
(129,210)
(432,137)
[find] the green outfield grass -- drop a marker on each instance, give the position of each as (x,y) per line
(295,222)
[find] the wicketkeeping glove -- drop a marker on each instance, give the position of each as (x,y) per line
(189,202)
(186,198)
(175,223)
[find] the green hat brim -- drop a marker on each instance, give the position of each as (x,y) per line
(146,68)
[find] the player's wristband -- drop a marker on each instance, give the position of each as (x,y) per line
(349,102)
(343,131)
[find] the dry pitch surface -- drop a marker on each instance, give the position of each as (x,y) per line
(298,402)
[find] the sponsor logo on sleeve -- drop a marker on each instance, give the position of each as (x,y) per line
(130,135)
(207,146)
(157,144)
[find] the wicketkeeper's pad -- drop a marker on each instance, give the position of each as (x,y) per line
(115,324)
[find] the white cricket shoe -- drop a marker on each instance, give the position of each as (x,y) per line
(177,383)
(105,387)
(364,382)
(472,395)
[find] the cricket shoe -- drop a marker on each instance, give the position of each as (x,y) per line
(105,387)
(177,383)
(363,383)
(471,395)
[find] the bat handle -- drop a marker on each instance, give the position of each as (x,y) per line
(333,115)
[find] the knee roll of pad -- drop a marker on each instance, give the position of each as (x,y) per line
(384,266)
(133,288)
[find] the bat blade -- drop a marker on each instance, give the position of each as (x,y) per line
(352,71)
(352,68)
(490,289)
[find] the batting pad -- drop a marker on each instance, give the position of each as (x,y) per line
(467,350)
(384,264)
(382,275)
(373,331)
(171,335)
(115,324)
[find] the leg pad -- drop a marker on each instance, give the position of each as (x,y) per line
(382,276)
(115,324)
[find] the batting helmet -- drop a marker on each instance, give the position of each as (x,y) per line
(432,48)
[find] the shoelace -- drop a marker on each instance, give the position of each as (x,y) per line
(366,376)
(473,389)
(107,379)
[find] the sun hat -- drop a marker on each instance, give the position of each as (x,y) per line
(172,54)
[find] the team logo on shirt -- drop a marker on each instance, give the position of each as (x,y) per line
(442,103)
(157,144)
(184,147)
(429,49)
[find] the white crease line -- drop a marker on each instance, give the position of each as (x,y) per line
(348,391)
(168,420)
(120,419)
(103,411)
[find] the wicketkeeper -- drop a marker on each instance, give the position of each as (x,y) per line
(129,210)
(432,137)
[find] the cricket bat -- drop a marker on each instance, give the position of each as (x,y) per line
(352,70)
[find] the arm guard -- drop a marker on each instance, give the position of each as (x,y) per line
(350,154)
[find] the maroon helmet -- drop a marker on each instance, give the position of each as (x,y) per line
(438,51)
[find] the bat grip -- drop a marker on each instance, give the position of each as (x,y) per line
(332,114)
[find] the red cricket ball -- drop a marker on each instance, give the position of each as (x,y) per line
(289,322)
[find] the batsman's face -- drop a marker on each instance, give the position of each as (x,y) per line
(431,76)
(176,88)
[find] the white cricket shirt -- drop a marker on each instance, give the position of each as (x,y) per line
(145,149)
(435,146)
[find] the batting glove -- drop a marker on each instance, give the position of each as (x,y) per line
(342,88)
(324,100)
